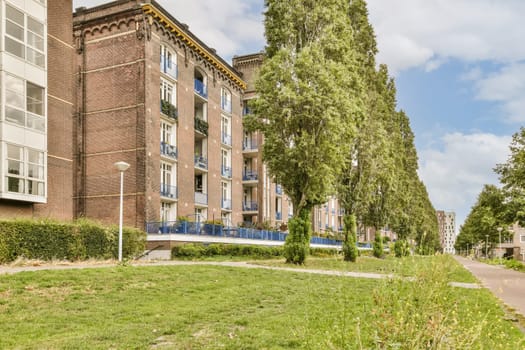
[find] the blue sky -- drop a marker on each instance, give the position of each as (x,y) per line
(459,67)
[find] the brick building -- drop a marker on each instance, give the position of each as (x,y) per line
(152,94)
(37,109)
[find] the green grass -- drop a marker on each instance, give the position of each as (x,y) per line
(212,307)
(406,267)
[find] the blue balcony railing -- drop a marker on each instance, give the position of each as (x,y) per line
(279,190)
(226,139)
(250,145)
(278,216)
(168,67)
(249,206)
(226,105)
(201,162)
(249,175)
(226,204)
(201,88)
(201,229)
(201,198)
(168,150)
(226,171)
(168,191)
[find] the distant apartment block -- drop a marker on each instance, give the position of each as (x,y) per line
(447,230)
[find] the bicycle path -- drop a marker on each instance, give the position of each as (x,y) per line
(507,285)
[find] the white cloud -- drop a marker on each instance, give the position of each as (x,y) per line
(468,30)
(229,26)
(455,175)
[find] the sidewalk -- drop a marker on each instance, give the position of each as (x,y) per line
(507,285)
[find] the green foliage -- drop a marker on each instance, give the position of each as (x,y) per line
(297,245)
(401,248)
(195,251)
(377,246)
(514,265)
(350,251)
(80,240)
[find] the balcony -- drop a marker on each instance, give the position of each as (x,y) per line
(250,175)
(278,190)
(226,204)
(201,162)
(201,198)
(249,206)
(201,126)
(250,145)
(168,191)
(226,105)
(168,67)
(201,89)
(168,150)
(226,139)
(226,171)
(278,216)
(168,109)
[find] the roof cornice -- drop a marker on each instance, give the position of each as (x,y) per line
(153,11)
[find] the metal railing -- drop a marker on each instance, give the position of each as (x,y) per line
(226,204)
(278,216)
(168,109)
(168,191)
(201,162)
(201,88)
(249,175)
(168,150)
(201,198)
(168,67)
(226,171)
(226,139)
(250,145)
(249,206)
(200,228)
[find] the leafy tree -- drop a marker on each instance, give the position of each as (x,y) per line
(377,246)
(307,103)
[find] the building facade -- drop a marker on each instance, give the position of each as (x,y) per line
(152,94)
(37,109)
(447,230)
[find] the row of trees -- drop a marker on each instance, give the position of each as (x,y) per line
(498,206)
(330,123)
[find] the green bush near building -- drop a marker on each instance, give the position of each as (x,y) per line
(80,240)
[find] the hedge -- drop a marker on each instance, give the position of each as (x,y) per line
(196,250)
(80,240)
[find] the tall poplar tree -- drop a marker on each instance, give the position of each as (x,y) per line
(307,104)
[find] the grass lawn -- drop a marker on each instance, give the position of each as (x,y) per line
(212,307)
(408,266)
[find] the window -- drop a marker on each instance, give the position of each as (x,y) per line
(24,103)
(166,133)
(165,174)
(25,171)
(168,62)
(522,239)
(167,92)
(167,212)
(226,100)
(24,36)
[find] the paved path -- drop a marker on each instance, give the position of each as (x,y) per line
(507,285)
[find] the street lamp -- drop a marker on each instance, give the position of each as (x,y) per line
(486,246)
(499,233)
(122,167)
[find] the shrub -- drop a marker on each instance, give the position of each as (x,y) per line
(297,244)
(514,265)
(401,248)
(377,247)
(350,251)
(79,240)
(191,250)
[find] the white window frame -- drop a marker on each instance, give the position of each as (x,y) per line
(26,169)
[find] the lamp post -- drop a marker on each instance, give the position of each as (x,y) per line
(486,246)
(499,233)
(122,167)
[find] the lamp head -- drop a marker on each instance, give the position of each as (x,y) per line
(121,166)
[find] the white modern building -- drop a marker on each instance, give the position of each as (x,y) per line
(23,122)
(447,230)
